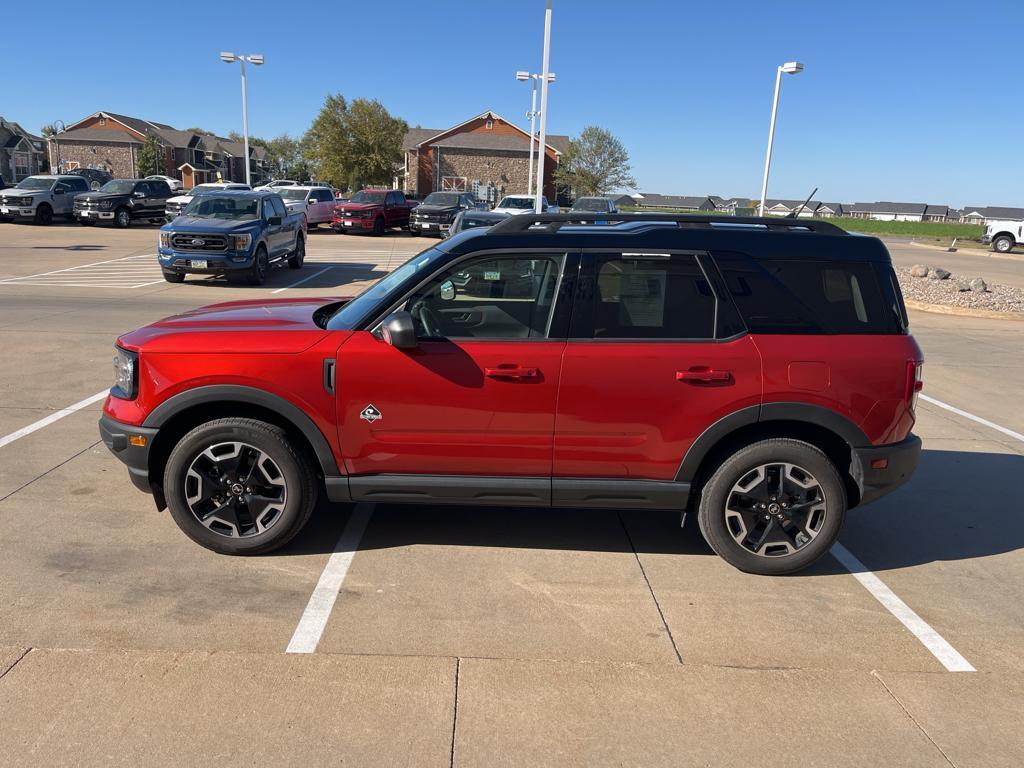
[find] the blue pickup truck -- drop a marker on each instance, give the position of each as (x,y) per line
(238,234)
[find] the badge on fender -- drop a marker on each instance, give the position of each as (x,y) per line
(370,413)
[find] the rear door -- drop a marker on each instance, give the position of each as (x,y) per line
(655,355)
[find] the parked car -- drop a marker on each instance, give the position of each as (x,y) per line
(516,204)
(475,220)
(173,183)
(239,234)
(278,183)
(176,205)
(1003,235)
(123,201)
(438,210)
(786,341)
(40,198)
(377,210)
(316,203)
(96,177)
(593,205)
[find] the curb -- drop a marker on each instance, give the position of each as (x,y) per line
(945,309)
(982,251)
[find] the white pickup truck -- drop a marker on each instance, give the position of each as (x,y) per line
(1003,234)
(40,198)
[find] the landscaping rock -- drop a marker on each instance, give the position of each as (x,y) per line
(938,273)
(979,285)
(962,285)
(995,297)
(919,270)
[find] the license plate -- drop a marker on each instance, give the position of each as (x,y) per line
(5,210)
(198,263)
(348,223)
(86,213)
(425,225)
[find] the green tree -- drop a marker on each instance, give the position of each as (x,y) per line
(203,131)
(48,130)
(151,157)
(284,154)
(325,144)
(595,163)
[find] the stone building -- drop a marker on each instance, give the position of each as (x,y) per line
(22,154)
(486,155)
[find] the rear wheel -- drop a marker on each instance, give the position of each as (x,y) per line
(173,277)
(378,226)
(44,214)
(257,274)
(773,507)
(122,218)
(1003,244)
(239,487)
(298,255)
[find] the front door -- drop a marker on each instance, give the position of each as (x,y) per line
(655,356)
(477,395)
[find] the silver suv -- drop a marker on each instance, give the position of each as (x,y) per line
(40,198)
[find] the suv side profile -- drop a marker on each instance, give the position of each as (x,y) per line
(756,372)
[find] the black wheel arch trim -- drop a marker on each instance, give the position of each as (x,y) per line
(808,413)
(242,394)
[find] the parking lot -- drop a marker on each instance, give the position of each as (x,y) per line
(468,636)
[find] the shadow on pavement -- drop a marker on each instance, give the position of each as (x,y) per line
(69,247)
(958,506)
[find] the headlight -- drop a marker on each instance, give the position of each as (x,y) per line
(241,242)
(165,239)
(126,374)
(104,204)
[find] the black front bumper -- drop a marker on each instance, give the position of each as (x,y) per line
(115,436)
(900,462)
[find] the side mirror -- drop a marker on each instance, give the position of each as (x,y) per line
(138,194)
(274,221)
(398,330)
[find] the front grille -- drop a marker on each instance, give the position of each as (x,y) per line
(183,241)
(175,208)
(433,218)
(15,201)
(83,205)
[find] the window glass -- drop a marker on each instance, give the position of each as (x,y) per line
(808,297)
(504,297)
(652,296)
(79,184)
(277,207)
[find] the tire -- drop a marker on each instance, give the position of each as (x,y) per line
(414,232)
(378,226)
(173,277)
(44,215)
(87,222)
(257,273)
(1003,244)
(122,218)
(284,483)
(772,533)
(299,254)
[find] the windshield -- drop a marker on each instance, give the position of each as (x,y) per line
(31,183)
(441,198)
(367,197)
(591,204)
(291,193)
(366,303)
(204,188)
(224,207)
(118,186)
(469,222)
(520,203)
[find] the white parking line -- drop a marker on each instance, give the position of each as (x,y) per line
(55,416)
(318,610)
(972,417)
(124,272)
(940,648)
(303,280)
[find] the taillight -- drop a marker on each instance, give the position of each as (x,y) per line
(915,382)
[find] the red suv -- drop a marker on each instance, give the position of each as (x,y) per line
(756,371)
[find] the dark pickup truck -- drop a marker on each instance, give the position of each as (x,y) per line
(239,234)
(122,201)
(434,216)
(374,210)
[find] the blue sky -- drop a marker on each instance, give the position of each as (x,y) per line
(899,101)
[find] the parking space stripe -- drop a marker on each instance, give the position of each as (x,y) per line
(303,280)
(124,272)
(972,417)
(55,416)
(940,648)
(318,610)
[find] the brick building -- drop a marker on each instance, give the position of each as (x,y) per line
(486,152)
(22,154)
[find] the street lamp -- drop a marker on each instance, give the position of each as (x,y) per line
(532,114)
(256,59)
(790,68)
(545,74)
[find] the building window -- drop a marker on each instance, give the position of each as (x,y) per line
(490,124)
(21,166)
(103,121)
(453,183)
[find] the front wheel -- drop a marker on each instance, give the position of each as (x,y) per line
(239,487)
(1003,244)
(44,215)
(173,277)
(298,255)
(257,273)
(773,507)
(378,227)
(122,218)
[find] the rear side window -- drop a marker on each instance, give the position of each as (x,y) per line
(809,297)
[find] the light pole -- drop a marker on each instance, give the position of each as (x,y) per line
(255,59)
(56,142)
(790,68)
(532,114)
(544,82)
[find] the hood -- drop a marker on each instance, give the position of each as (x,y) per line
(359,206)
(196,224)
(423,208)
(101,195)
(15,192)
(184,199)
(268,326)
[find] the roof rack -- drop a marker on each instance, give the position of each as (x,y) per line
(552,222)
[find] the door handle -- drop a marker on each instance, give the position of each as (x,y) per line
(703,374)
(511,372)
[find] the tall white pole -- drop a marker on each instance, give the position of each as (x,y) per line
(533,133)
(771,138)
(542,143)
(245,127)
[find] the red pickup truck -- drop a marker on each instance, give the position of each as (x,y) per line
(373,209)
